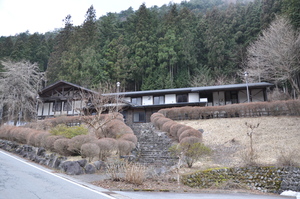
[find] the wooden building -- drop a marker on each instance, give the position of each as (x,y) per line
(63,98)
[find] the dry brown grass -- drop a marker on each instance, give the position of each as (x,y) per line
(228,138)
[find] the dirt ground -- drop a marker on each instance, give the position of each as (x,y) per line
(273,138)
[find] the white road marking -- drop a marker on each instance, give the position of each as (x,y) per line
(103,194)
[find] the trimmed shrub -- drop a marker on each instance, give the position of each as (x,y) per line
(90,150)
(129,137)
(174,129)
(125,147)
(22,134)
(40,139)
(68,132)
(190,140)
(116,128)
(166,126)
(155,116)
(190,133)
(61,146)
(160,122)
(4,131)
(77,141)
(31,137)
(107,147)
(183,128)
(49,141)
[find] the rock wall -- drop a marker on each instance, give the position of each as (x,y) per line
(53,160)
(267,179)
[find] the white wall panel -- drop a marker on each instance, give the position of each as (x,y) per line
(193,97)
(170,98)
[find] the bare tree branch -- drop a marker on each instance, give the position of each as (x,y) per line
(274,56)
(19,86)
(101,107)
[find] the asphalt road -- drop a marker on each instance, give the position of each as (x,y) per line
(22,179)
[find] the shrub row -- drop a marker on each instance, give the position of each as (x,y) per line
(179,132)
(119,138)
(254,109)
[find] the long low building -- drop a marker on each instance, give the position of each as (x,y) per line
(64,98)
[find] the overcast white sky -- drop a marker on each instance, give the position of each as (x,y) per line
(18,16)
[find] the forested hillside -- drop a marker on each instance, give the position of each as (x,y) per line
(195,43)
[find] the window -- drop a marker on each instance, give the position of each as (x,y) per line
(139,116)
(67,106)
(182,98)
(159,100)
(231,96)
(137,100)
(56,106)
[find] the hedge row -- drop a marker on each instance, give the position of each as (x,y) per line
(119,138)
(179,132)
(254,109)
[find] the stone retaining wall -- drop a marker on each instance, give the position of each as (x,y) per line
(53,160)
(267,179)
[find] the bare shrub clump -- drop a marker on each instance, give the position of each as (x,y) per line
(190,140)
(31,137)
(115,169)
(90,151)
(155,116)
(107,146)
(40,139)
(115,129)
(49,141)
(125,147)
(77,141)
(288,158)
(135,173)
(160,122)
(189,133)
(166,126)
(129,137)
(182,129)
(174,129)
(61,146)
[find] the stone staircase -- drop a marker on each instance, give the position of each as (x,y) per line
(153,145)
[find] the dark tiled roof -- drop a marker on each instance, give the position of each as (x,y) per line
(196,89)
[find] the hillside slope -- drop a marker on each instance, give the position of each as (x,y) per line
(275,137)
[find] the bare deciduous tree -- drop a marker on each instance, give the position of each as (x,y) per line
(19,85)
(274,56)
(101,108)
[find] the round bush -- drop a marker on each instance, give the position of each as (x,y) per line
(190,140)
(49,145)
(183,128)
(40,139)
(166,126)
(190,133)
(77,141)
(125,147)
(61,146)
(160,122)
(31,137)
(155,116)
(174,129)
(90,150)
(115,129)
(107,146)
(129,137)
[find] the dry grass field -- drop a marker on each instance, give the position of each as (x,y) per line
(276,137)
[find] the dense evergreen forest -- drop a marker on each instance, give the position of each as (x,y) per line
(194,43)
